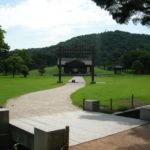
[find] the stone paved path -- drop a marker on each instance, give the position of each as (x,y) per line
(45,102)
(84,126)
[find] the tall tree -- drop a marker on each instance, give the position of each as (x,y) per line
(124,10)
(24,70)
(15,63)
(4,50)
(25,55)
(137,67)
(41,69)
(138,61)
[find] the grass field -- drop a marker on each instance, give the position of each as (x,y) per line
(119,88)
(48,71)
(10,87)
(54,70)
(99,71)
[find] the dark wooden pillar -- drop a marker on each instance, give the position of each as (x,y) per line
(92,67)
(59,65)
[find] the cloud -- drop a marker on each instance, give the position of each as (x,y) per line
(54,18)
(37,14)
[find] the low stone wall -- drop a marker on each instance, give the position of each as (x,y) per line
(145,113)
(40,139)
(142,113)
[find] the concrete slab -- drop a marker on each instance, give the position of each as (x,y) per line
(84,126)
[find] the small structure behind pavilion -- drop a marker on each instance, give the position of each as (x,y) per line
(118,70)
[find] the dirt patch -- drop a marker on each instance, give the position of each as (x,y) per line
(133,139)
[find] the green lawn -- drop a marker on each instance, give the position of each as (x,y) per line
(119,88)
(54,70)
(10,87)
(99,70)
(48,71)
(13,87)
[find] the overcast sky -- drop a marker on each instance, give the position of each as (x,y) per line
(41,23)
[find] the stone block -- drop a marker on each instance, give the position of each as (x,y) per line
(91,105)
(4,140)
(4,120)
(145,113)
(51,140)
(21,136)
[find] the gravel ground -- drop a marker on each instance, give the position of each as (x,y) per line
(134,139)
(44,102)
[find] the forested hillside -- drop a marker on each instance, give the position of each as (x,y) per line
(110,46)
(132,51)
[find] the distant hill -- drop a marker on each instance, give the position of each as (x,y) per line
(110,46)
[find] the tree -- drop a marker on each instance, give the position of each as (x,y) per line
(25,55)
(138,67)
(2,43)
(136,60)
(124,10)
(24,70)
(144,58)
(15,62)
(41,69)
(4,52)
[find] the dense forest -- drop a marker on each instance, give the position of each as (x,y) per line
(132,51)
(110,47)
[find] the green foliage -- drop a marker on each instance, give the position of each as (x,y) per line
(4,50)
(117,87)
(137,66)
(139,61)
(2,43)
(41,69)
(25,55)
(24,70)
(15,63)
(124,10)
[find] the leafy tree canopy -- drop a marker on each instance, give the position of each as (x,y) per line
(24,54)
(139,61)
(137,66)
(124,10)
(3,46)
(15,62)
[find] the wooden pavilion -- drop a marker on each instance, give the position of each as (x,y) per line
(76,61)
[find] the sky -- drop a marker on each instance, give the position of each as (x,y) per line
(41,23)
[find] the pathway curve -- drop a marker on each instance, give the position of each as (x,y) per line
(45,102)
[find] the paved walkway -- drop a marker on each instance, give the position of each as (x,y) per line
(45,102)
(77,80)
(84,126)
